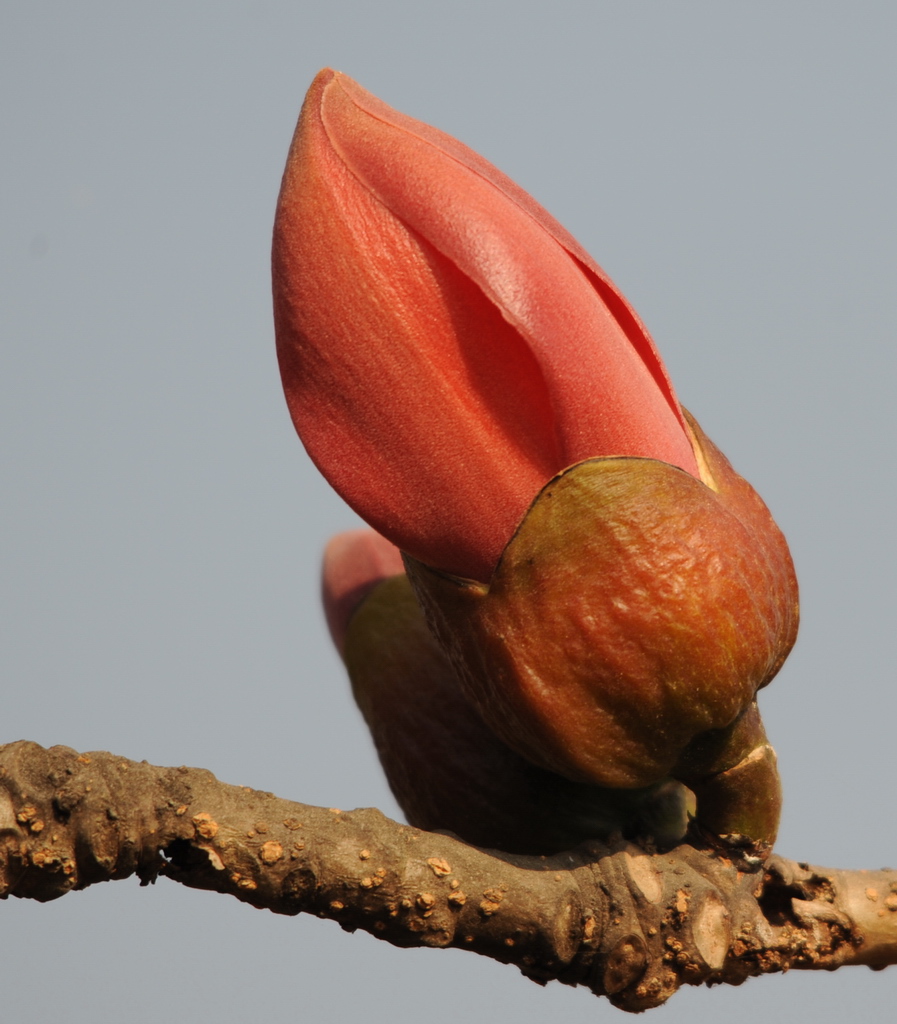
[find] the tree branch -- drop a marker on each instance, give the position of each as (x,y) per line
(630,923)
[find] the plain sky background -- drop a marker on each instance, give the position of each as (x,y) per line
(732,166)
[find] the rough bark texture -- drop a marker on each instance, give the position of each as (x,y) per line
(630,923)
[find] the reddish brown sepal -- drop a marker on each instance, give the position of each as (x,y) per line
(634,609)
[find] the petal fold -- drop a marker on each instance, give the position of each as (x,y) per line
(446,347)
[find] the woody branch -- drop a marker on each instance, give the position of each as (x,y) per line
(628,922)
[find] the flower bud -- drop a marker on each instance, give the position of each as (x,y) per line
(610,594)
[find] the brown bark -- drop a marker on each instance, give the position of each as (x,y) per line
(630,923)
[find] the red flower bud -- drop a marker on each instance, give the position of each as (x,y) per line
(609,593)
(446,347)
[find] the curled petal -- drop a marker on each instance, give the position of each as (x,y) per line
(446,347)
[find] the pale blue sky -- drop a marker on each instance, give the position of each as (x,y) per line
(731,165)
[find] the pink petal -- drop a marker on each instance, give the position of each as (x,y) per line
(445,346)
